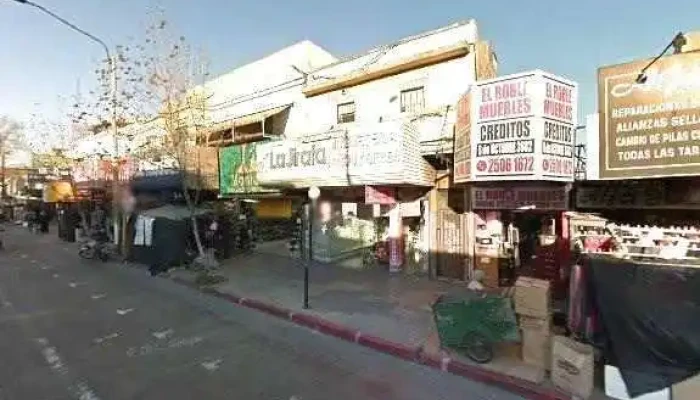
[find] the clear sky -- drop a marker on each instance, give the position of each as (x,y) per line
(41,60)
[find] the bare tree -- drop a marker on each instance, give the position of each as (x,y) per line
(10,138)
(161,81)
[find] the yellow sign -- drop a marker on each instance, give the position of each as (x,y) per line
(58,192)
(274,208)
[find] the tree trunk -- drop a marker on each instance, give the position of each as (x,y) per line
(193,218)
(197,239)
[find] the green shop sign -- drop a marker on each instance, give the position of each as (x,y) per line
(238,170)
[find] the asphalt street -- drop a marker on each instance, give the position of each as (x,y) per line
(82,330)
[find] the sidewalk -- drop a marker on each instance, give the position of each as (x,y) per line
(390,313)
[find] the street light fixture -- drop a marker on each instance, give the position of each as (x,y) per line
(112,63)
(314,194)
(677,43)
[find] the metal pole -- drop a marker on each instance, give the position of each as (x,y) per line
(312,205)
(3,194)
(113,72)
(115,158)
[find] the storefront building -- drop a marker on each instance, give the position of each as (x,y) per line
(514,159)
(643,145)
(252,104)
(377,135)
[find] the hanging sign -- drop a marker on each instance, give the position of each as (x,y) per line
(380,195)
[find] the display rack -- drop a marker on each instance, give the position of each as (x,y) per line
(594,234)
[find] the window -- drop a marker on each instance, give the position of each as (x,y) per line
(412,100)
(346,112)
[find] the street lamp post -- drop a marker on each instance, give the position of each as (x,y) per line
(112,64)
(314,194)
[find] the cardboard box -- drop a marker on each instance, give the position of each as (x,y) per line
(689,389)
(509,350)
(532,297)
(537,348)
(572,366)
(615,388)
(489,266)
(542,325)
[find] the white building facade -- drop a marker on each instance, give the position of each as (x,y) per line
(371,133)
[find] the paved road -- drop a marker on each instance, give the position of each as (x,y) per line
(72,329)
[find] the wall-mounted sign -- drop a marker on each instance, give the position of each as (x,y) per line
(522,128)
(650,129)
(58,191)
(238,170)
(462,141)
(380,154)
(486,65)
(525,197)
(644,194)
(380,195)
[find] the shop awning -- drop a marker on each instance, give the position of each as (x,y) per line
(251,118)
(259,116)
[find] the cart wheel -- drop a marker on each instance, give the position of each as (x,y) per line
(478,347)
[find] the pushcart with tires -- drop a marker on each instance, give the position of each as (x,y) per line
(473,322)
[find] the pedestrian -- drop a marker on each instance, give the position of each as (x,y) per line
(43,218)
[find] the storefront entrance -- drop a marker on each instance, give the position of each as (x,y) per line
(451,244)
(519,230)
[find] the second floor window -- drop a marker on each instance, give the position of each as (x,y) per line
(412,100)
(346,112)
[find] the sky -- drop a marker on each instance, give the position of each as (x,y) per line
(43,64)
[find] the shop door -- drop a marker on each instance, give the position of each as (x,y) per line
(451,248)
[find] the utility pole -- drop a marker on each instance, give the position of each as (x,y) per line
(112,64)
(3,170)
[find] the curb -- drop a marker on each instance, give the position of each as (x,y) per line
(406,352)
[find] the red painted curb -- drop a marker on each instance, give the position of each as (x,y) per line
(431,360)
(409,353)
(305,320)
(516,385)
(266,308)
(337,330)
(406,352)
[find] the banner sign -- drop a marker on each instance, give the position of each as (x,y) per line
(513,198)
(462,141)
(523,128)
(650,128)
(238,170)
(380,154)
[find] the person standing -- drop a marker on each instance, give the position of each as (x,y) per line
(43,218)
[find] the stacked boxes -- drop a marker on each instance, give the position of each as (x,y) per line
(532,304)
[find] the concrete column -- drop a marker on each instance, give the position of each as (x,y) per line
(396,253)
